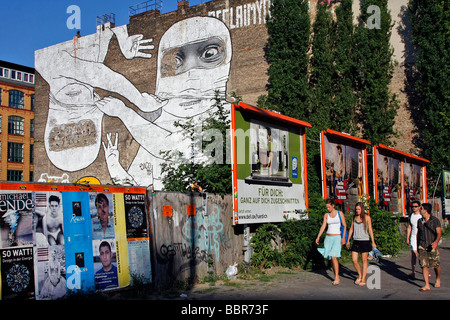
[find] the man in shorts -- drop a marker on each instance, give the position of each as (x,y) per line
(428,235)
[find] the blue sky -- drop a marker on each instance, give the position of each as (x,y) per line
(30,25)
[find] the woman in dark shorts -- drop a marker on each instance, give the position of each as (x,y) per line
(360,230)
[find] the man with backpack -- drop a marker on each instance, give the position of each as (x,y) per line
(428,235)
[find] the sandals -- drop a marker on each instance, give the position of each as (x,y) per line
(359,283)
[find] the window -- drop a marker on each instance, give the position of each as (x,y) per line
(16,125)
(31,153)
(6,73)
(14,175)
(13,74)
(32,128)
(32,102)
(15,152)
(16,99)
(19,75)
(31,78)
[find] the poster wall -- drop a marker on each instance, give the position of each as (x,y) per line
(56,239)
(344,169)
(399,179)
(269,166)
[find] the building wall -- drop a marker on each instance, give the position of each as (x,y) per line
(6,85)
(97,116)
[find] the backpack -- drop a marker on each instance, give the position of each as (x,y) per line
(343,228)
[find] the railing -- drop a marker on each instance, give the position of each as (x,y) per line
(144,7)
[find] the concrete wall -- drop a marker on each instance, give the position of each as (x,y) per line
(192,235)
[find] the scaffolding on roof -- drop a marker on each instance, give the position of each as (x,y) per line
(144,7)
(105,18)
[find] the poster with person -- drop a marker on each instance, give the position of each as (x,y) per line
(344,169)
(388,179)
(399,179)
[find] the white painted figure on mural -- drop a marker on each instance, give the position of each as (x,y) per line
(73,69)
(194,58)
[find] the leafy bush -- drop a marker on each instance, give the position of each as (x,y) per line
(385,230)
(265,253)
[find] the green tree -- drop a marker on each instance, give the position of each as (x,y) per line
(377,107)
(430,21)
(344,96)
(321,114)
(209,165)
(289,31)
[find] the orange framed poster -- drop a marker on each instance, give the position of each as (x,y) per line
(269,166)
(399,179)
(344,169)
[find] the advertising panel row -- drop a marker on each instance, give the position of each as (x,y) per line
(58,239)
(270,178)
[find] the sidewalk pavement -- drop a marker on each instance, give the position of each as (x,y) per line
(393,281)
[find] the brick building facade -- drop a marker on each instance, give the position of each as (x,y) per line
(16,122)
(107,102)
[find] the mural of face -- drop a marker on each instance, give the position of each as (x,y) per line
(193,62)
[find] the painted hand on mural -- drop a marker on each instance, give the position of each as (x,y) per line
(116,171)
(133,45)
(111,151)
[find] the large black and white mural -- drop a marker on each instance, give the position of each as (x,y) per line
(193,63)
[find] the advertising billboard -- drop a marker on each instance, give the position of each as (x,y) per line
(344,169)
(269,166)
(399,179)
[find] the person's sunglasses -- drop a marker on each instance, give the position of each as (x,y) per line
(415,206)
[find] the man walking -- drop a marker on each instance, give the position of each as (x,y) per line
(411,237)
(428,235)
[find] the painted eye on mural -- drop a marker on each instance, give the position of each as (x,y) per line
(211,53)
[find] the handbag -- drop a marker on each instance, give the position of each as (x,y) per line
(343,228)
